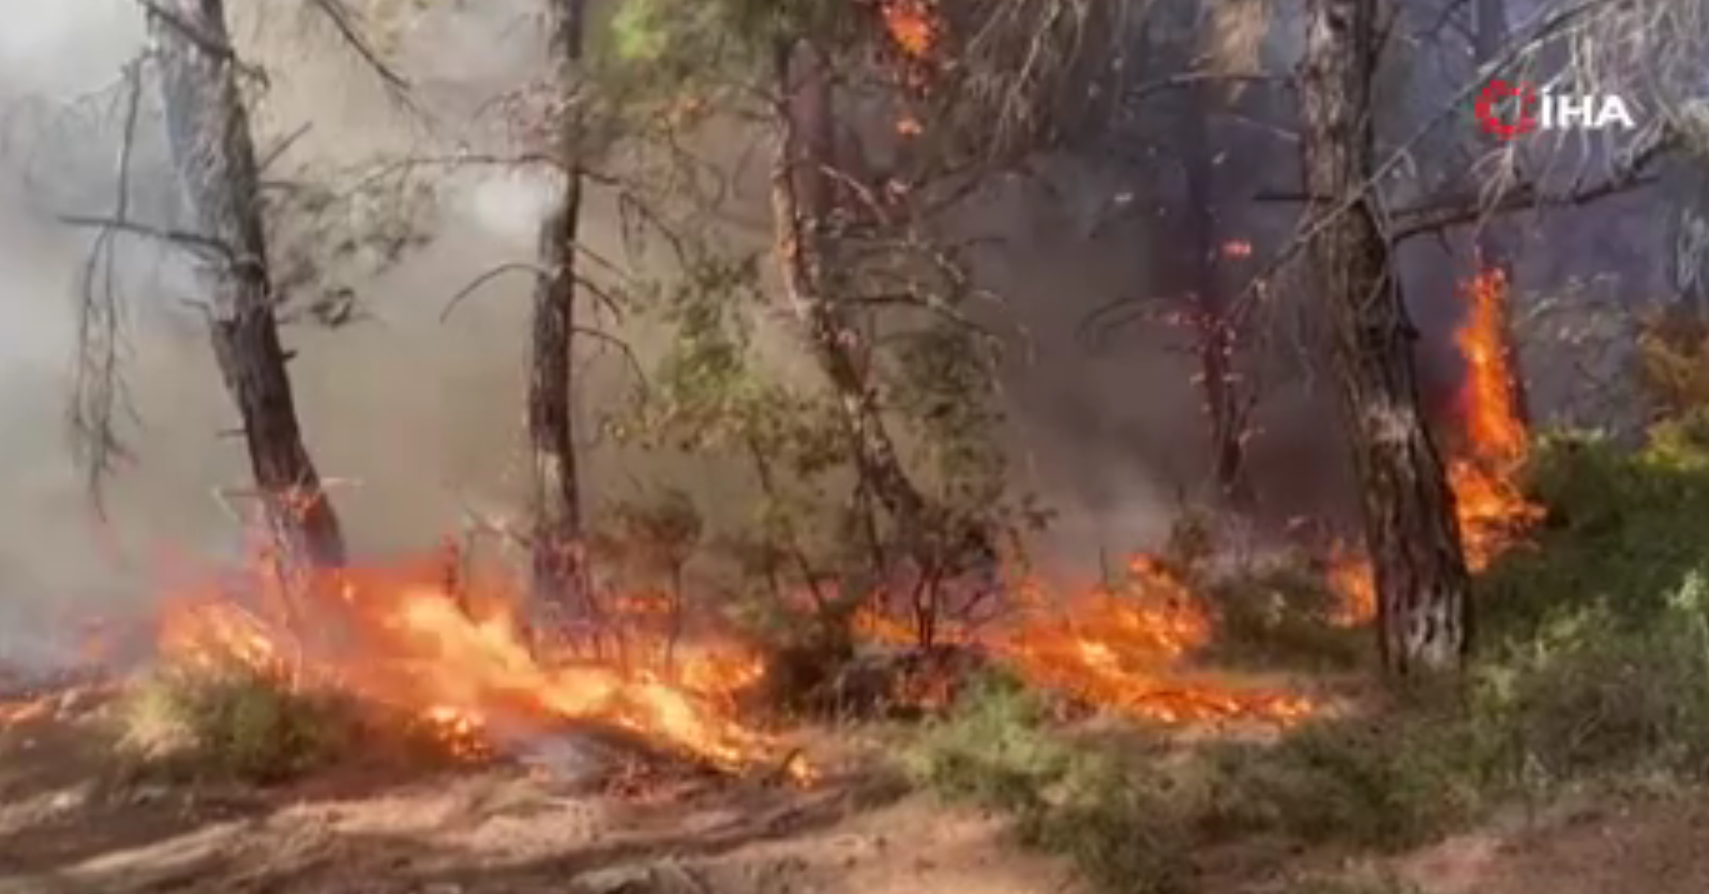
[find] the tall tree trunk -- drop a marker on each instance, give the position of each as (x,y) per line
(802,200)
(1216,335)
(1489,35)
(556,501)
(214,154)
(1412,535)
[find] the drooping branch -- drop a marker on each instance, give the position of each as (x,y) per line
(98,389)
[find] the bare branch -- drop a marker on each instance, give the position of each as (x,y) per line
(98,390)
(599,292)
(1433,217)
(1196,78)
(273,155)
(481,281)
(181,238)
(343,20)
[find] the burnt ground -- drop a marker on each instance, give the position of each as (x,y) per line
(70,825)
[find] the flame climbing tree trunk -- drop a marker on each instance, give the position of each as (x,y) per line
(214,156)
(803,201)
(556,498)
(1492,240)
(1423,606)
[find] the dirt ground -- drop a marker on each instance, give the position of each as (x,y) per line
(67,826)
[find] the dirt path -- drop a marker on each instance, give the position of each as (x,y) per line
(65,828)
(68,826)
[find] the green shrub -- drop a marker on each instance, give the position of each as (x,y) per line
(1117,823)
(234,722)
(1623,529)
(1590,696)
(1383,784)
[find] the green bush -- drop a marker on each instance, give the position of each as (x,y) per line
(234,722)
(1623,529)
(1590,696)
(1384,784)
(1118,824)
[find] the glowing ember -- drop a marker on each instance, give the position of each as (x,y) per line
(912,25)
(1350,578)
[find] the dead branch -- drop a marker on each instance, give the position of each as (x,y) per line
(273,155)
(98,390)
(608,300)
(1435,216)
(343,21)
(181,238)
(1195,78)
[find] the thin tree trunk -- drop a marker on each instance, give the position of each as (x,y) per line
(1424,612)
(214,153)
(1216,337)
(556,503)
(801,213)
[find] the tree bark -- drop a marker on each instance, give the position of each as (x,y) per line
(802,206)
(214,154)
(556,500)
(1412,535)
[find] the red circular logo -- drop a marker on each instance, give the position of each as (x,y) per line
(1489,115)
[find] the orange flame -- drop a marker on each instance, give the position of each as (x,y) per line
(1121,648)
(1489,506)
(1352,580)
(913,26)
(398,638)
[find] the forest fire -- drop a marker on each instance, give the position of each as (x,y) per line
(1495,443)
(1119,648)
(462,664)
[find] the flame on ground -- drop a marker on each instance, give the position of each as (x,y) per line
(1120,647)
(461,662)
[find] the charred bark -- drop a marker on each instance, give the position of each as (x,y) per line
(214,154)
(556,499)
(1411,532)
(802,207)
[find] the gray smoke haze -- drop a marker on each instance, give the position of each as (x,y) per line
(418,420)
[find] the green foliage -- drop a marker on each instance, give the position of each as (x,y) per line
(234,722)
(996,750)
(1624,529)
(1592,695)
(1383,785)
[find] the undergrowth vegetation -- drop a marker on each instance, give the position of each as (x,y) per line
(1593,670)
(232,722)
